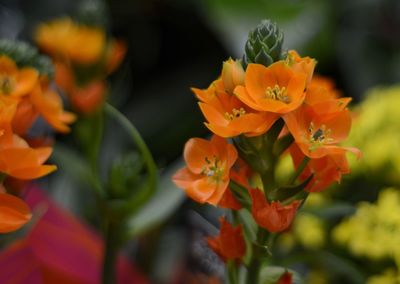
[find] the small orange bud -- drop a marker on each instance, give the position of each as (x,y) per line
(232,74)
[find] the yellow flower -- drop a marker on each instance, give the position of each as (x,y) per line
(389,276)
(309,231)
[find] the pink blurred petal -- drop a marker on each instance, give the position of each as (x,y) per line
(18,265)
(59,249)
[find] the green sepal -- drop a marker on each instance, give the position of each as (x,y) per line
(288,192)
(240,193)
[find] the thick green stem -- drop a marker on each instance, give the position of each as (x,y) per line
(110,253)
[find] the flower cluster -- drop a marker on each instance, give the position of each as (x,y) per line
(83,56)
(374,230)
(267,106)
(25,96)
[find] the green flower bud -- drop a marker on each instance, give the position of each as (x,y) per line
(26,55)
(264,44)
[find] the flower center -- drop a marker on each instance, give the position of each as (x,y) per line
(6,84)
(318,137)
(213,168)
(236,113)
(277,93)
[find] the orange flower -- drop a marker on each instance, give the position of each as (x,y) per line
(13,213)
(88,98)
(49,104)
(316,133)
(66,39)
(227,116)
(13,81)
(325,170)
(276,88)
(206,177)
(272,216)
(303,65)
(229,244)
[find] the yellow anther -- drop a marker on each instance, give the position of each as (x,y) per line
(277,93)
(236,113)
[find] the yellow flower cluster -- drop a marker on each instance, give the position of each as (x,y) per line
(374,230)
(389,276)
(376,132)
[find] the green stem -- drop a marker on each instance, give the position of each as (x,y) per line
(110,253)
(253,271)
(232,272)
(299,170)
(142,196)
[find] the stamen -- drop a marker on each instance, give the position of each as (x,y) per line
(236,113)
(318,137)
(277,93)
(212,168)
(6,84)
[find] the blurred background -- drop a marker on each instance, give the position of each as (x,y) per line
(177,44)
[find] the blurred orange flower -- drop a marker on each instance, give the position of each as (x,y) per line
(273,216)
(13,213)
(49,104)
(66,39)
(88,98)
(13,81)
(276,88)
(206,177)
(229,244)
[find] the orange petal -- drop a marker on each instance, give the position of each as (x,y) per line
(13,213)
(244,96)
(201,190)
(33,173)
(195,152)
(26,80)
